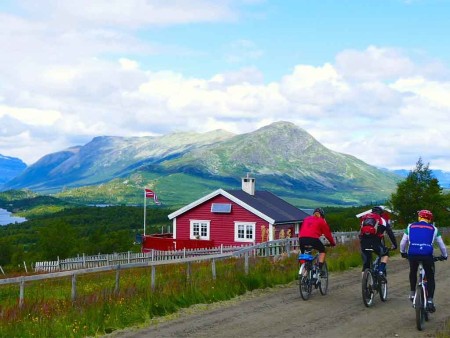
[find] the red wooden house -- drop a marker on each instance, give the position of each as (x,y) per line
(235,217)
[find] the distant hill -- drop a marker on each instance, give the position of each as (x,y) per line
(10,167)
(283,158)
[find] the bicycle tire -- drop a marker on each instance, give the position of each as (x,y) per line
(383,288)
(304,282)
(419,307)
(367,288)
(323,285)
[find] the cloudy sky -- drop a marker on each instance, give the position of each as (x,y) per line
(367,78)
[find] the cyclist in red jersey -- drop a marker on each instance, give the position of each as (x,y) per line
(312,228)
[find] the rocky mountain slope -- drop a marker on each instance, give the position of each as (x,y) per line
(282,157)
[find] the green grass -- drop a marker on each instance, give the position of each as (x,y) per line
(49,312)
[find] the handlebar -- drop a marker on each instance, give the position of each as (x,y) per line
(439,258)
(435,258)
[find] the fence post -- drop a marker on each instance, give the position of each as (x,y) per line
(188,271)
(21,292)
(246,263)
(153,277)
(116,289)
(1,269)
(213,267)
(129,257)
(84,260)
(74,287)
(288,248)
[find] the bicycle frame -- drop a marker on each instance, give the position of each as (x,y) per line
(420,298)
(421,283)
(310,276)
(373,283)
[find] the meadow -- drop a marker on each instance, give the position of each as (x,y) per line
(49,312)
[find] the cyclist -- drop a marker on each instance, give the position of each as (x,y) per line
(373,226)
(312,228)
(420,236)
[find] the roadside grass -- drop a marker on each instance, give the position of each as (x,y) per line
(49,312)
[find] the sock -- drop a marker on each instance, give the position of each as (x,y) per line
(383,267)
(320,265)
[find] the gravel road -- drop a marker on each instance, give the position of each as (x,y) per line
(280,312)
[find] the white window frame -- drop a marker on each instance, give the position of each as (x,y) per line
(247,226)
(297,228)
(204,231)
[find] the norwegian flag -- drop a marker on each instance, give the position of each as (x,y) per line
(151,194)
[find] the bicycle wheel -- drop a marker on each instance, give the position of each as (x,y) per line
(323,285)
(304,282)
(383,288)
(420,307)
(367,288)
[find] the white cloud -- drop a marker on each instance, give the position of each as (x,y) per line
(76,70)
(374,63)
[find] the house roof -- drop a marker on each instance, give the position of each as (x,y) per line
(263,204)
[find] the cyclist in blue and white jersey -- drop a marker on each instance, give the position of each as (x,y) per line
(420,236)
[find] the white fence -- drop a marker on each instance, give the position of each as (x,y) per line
(84,262)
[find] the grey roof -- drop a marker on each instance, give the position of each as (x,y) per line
(270,205)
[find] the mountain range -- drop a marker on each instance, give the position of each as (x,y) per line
(181,167)
(10,167)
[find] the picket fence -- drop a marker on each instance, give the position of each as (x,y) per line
(94,261)
(83,262)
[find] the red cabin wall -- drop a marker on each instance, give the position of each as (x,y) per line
(221,224)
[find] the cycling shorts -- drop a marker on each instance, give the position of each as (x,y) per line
(306,242)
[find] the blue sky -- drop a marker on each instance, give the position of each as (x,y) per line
(365,78)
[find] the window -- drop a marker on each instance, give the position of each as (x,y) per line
(224,208)
(199,229)
(244,232)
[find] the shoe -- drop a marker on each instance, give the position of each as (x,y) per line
(322,274)
(430,307)
(411,298)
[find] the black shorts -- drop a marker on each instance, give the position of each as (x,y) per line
(374,243)
(309,242)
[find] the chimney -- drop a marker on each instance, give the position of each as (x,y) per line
(248,185)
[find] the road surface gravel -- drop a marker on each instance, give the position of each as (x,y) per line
(280,312)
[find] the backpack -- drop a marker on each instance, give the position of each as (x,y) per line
(369,226)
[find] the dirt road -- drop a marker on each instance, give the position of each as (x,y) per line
(280,312)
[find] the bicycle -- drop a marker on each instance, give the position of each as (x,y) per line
(309,275)
(420,297)
(373,282)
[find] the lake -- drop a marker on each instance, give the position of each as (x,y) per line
(6,218)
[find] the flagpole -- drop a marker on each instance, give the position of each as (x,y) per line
(145,207)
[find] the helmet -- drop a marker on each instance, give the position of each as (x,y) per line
(320,211)
(378,210)
(425,214)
